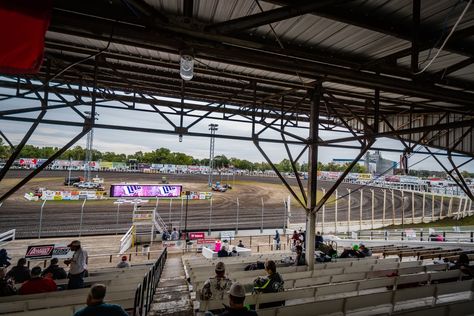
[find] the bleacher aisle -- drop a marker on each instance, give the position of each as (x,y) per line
(172,295)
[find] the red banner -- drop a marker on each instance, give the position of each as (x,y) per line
(196,235)
(39,252)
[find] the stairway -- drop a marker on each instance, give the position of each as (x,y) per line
(172,294)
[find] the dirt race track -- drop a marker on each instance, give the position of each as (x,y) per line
(62,218)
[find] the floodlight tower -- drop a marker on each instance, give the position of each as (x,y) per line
(89,146)
(213,129)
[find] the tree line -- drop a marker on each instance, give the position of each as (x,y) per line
(166,156)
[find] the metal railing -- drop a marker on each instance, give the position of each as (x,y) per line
(8,235)
(146,290)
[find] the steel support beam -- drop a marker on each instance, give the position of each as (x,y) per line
(414,42)
(44,165)
(267,17)
(312,175)
(6,139)
(343,175)
(20,146)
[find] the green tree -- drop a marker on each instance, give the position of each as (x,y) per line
(4,150)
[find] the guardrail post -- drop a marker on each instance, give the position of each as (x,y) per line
(421,236)
(472,236)
(444,236)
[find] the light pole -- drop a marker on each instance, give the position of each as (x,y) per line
(213,129)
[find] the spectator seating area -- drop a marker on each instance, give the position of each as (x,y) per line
(350,286)
(121,285)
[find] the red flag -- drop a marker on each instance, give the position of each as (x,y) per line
(23,25)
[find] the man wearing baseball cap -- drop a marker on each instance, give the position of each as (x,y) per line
(78,266)
(215,288)
(236,302)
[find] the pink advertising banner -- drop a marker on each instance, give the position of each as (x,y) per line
(145,190)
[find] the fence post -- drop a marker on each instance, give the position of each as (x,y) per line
(423,208)
(169,217)
(432,206)
(464,211)
(82,215)
(384,206)
(41,219)
(459,208)
(181,214)
(349,211)
(470,207)
(360,210)
(441,207)
(373,207)
(324,212)
(472,236)
(210,217)
(393,207)
(261,226)
(237,224)
(450,207)
(421,236)
(335,214)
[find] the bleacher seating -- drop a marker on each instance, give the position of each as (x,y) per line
(121,285)
(355,287)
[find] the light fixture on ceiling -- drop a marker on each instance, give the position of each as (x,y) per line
(186,65)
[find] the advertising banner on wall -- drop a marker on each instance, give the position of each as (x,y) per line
(145,190)
(48,251)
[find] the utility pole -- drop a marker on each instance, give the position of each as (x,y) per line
(213,129)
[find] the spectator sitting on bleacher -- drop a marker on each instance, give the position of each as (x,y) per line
(96,305)
(272,283)
(318,240)
(78,267)
(234,252)
(4,258)
(236,302)
(463,264)
(37,284)
(217,286)
(19,273)
(123,263)
(54,271)
(300,257)
(7,287)
(223,252)
(352,253)
(364,250)
(240,244)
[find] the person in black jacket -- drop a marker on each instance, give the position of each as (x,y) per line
(272,283)
(57,273)
(7,287)
(19,273)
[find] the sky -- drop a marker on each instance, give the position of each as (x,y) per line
(198,147)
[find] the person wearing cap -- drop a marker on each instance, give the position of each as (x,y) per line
(78,265)
(236,302)
(364,250)
(96,305)
(123,263)
(215,287)
(54,271)
(37,284)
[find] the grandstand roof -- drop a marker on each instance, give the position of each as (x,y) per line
(267,54)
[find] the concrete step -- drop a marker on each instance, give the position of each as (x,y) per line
(172,295)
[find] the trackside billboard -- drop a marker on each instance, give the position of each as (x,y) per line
(145,190)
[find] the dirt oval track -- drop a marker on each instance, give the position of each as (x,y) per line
(253,200)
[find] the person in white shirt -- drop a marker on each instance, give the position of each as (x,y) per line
(78,265)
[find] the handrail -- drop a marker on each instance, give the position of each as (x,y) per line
(8,235)
(146,289)
(127,240)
